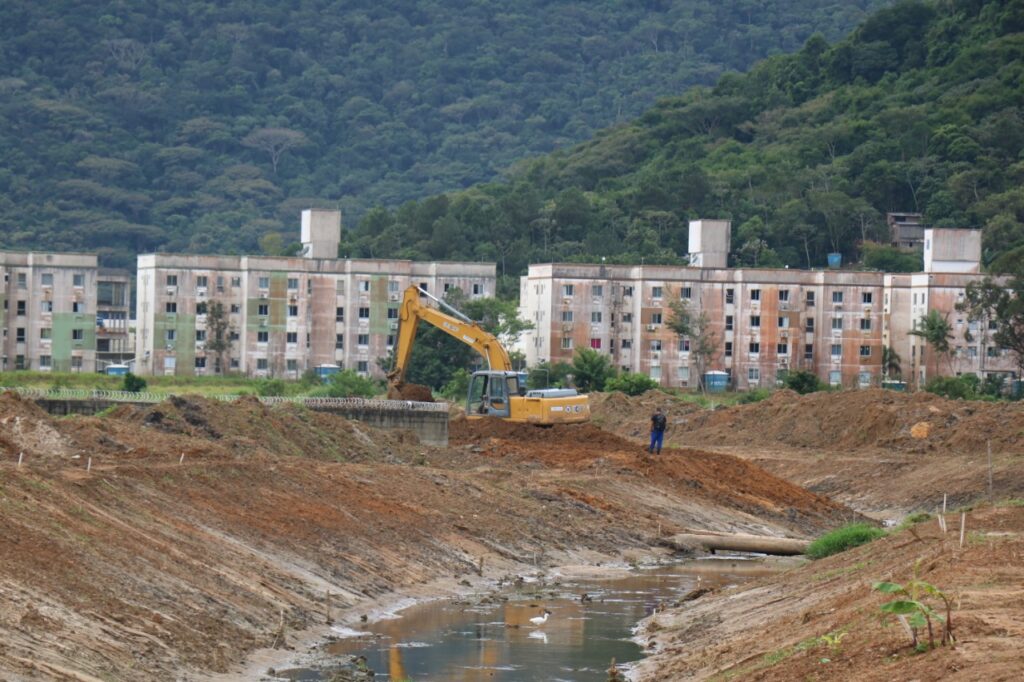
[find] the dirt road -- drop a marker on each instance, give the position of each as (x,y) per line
(170,542)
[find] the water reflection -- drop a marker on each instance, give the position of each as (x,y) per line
(498,643)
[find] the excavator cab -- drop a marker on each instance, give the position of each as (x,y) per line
(490,393)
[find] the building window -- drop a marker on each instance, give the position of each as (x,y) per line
(262,337)
(263,309)
(686,293)
(809,324)
(264,282)
(362,366)
(201,308)
(783,295)
(728,323)
(865,351)
(782,349)
(390,341)
(364,313)
(172,280)
(339,341)
(627,344)
(170,335)
(234,363)
(170,307)
(595,317)
(19,362)
(627,318)
(76,363)
(200,362)
(566,342)
(292,365)
(972,352)
(684,345)
(809,351)
(262,364)
(392,286)
(293,311)
(783,323)
(730,296)
(755,321)
(655,373)
(392,313)
(684,375)
(837,350)
(566,316)
(339,314)
(293,283)
(568,289)
(755,294)
(810,299)
(835,377)
(236,282)
(865,324)
(755,347)
(44,362)
(235,308)
(595,344)
(865,379)
(202,281)
(200,335)
(21,307)
(45,333)
(753,375)
(19,335)
(656,345)
(866,298)
(78,307)
(46,306)
(728,349)
(656,292)
(478,289)
(78,280)
(597,291)
(363,340)
(837,323)
(291,337)
(837,297)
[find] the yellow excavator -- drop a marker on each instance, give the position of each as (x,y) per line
(498,391)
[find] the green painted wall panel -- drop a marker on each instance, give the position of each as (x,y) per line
(62,344)
(184,344)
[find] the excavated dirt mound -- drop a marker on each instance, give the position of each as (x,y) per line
(823,621)
(415,392)
(873,419)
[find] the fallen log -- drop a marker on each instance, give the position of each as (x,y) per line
(737,543)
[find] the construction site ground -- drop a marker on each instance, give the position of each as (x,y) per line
(173,541)
(190,538)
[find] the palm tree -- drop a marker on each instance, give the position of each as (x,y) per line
(937,331)
(891,363)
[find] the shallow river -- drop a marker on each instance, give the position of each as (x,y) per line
(498,643)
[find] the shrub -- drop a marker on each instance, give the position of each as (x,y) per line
(631,383)
(133,384)
(457,387)
(270,387)
(963,387)
(348,383)
(755,396)
(842,539)
(803,382)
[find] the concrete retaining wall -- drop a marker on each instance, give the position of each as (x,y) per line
(430,426)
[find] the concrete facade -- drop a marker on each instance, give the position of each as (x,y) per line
(283,315)
(50,314)
(765,321)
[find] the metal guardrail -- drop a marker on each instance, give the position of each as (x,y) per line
(312,402)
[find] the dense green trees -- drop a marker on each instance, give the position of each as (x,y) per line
(920,109)
(200,126)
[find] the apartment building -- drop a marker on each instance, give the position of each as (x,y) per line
(765,322)
(51,316)
(282,316)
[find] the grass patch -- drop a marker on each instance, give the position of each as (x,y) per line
(911,519)
(842,539)
(1013,502)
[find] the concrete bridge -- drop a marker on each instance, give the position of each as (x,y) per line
(429,421)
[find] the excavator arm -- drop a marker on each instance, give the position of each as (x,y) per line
(455,324)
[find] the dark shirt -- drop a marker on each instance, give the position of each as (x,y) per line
(658,422)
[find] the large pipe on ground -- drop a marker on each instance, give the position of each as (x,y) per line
(737,543)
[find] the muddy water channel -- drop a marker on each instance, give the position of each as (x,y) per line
(496,641)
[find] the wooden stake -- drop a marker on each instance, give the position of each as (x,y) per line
(963,525)
(20,456)
(182,458)
(989,471)
(944,503)
(88,466)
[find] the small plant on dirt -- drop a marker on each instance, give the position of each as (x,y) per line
(842,539)
(754,396)
(915,612)
(833,640)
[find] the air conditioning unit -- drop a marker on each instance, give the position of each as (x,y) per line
(169,346)
(200,346)
(201,292)
(393,298)
(264,295)
(652,327)
(263,322)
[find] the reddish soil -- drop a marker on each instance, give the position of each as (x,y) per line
(774,628)
(415,392)
(875,450)
(200,523)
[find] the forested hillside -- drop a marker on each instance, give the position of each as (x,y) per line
(202,126)
(920,109)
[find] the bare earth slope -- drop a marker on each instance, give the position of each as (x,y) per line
(152,544)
